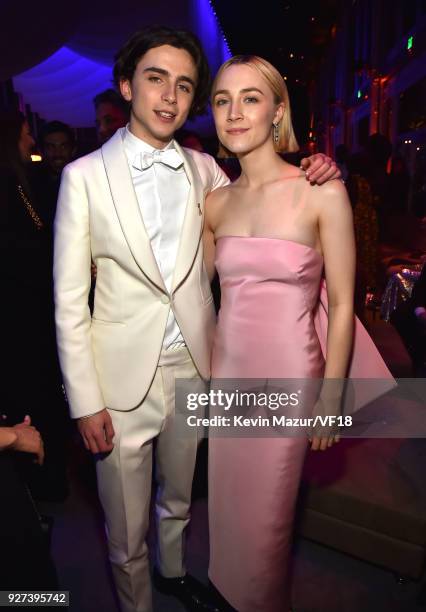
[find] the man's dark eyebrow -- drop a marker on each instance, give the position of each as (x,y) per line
(246,90)
(167,73)
(155,69)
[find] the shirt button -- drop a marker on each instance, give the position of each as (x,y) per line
(165,299)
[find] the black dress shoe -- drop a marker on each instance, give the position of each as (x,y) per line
(188,590)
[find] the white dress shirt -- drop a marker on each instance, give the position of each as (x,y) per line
(162,193)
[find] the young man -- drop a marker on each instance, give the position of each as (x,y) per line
(58,147)
(112,113)
(136,208)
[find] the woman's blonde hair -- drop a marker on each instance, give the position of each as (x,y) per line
(287,142)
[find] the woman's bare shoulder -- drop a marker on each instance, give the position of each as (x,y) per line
(218,197)
(330,189)
(330,196)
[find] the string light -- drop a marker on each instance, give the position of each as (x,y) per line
(219,25)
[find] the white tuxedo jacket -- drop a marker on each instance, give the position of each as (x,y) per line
(109,360)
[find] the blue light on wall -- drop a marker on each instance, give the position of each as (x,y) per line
(63,86)
(206,23)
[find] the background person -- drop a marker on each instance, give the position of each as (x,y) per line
(58,148)
(112,112)
(32,380)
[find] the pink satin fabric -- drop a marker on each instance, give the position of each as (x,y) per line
(266,324)
(272,324)
(365,362)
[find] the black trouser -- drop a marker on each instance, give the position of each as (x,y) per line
(32,385)
(25,560)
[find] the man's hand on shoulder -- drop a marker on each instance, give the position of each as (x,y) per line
(97,432)
(320,168)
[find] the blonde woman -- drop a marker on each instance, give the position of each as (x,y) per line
(270,235)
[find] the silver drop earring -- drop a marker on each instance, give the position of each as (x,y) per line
(276,132)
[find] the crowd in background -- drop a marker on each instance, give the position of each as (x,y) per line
(387,203)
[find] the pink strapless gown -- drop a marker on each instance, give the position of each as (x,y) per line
(266,329)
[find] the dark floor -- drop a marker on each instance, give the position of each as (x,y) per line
(324,580)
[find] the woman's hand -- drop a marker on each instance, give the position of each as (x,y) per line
(7,437)
(327,410)
(28,440)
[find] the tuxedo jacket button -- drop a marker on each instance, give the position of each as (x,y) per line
(165,299)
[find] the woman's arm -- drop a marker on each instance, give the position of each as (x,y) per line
(337,239)
(336,234)
(209,245)
(212,216)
